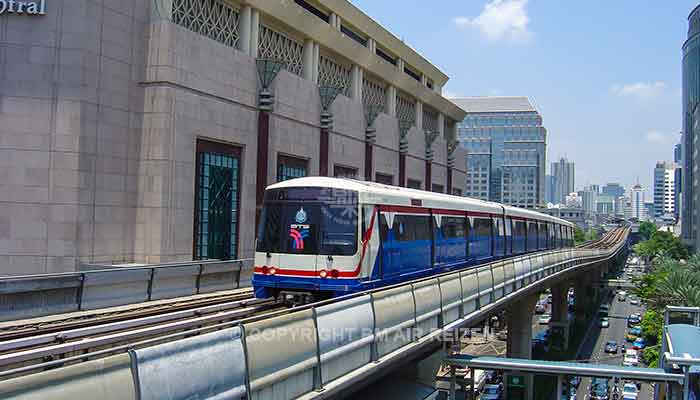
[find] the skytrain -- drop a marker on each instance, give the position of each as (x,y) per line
(322,237)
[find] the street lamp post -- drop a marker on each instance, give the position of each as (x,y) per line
(267,71)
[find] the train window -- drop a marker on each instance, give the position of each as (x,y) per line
(532,229)
(482,226)
(383,228)
(453,227)
(519,228)
(412,227)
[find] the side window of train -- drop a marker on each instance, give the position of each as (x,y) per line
(453,227)
(482,226)
(412,227)
(383,228)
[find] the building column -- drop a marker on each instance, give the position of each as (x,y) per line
(519,343)
(315,64)
(372,45)
(419,115)
(428,175)
(262,160)
(391,101)
(254,33)
(323,152)
(356,83)
(244,23)
(560,315)
(308,59)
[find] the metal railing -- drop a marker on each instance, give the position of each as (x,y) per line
(40,295)
(318,351)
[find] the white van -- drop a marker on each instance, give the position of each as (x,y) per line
(631,358)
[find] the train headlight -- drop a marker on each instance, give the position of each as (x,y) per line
(323,273)
(335,273)
(273,271)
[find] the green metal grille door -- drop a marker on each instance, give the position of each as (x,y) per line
(217,207)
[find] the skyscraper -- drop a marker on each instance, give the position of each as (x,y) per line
(678,180)
(691,116)
(550,185)
(637,208)
(505,144)
(563,172)
(589,196)
(664,189)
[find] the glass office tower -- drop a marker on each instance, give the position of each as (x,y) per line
(505,144)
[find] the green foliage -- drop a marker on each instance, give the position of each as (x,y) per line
(662,243)
(650,355)
(591,235)
(651,326)
(579,236)
(646,229)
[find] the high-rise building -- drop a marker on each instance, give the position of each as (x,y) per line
(589,197)
(664,189)
(605,205)
(637,208)
(691,117)
(505,144)
(550,183)
(613,189)
(621,203)
(678,180)
(594,188)
(563,172)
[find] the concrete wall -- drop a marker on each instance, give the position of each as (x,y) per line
(100,110)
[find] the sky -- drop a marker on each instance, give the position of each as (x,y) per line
(605,75)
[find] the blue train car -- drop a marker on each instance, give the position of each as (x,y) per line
(325,237)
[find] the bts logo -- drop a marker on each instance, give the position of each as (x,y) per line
(298,233)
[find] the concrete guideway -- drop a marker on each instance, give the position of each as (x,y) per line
(316,351)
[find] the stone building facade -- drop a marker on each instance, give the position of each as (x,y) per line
(122,121)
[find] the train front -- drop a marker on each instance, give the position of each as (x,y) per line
(307,244)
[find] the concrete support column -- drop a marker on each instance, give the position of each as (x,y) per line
(317,55)
(308,60)
(583,296)
(356,83)
(519,344)
(245,21)
(254,33)
(391,101)
(560,315)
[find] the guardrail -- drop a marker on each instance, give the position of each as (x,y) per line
(40,295)
(316,350)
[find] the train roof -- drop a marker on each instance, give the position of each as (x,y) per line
(374,192)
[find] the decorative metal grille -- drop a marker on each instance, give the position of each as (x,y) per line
(405,108)
(211,18)
(430,119)
(332,73)
(373,93)
(277,46)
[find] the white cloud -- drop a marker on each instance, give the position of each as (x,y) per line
(639,90)
(661,138)
(500,20)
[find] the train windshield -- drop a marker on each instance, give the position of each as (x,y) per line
(309,220)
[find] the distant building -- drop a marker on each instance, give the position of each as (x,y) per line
(649,209)
(605,205)
(573,215)
(589,198)
(637,208)
(550,183)
(613,189)
(678,180)
(573,200)
(621,204)
(563,172)
(594,188)
(505,144)
(664,189)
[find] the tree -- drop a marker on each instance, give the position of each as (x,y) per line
(579,236)
(662,243)
(646,229)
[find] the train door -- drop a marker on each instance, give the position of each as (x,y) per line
(389,250)
(499,236)
(509,237)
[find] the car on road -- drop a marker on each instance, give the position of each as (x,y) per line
(639,344)
(635,330)
(634,319)
(630,338)
(545,319)
(491,392)
(611,347)
(622,296)
(502,334)
(631,359)
(599,389)
(540,308)
(604,322)
(630,392)
(603,310)
(634,301)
